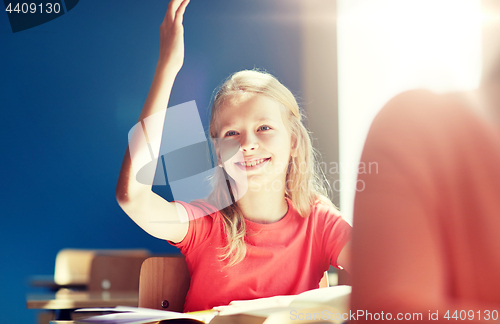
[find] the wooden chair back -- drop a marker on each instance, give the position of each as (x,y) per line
(115,272)
(75,267)
(164,283)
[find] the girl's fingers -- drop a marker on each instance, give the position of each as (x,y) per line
(180,12)
(173,6)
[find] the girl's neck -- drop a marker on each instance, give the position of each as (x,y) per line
(263,206)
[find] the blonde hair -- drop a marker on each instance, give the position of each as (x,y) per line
(305,182)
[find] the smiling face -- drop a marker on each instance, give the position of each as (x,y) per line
(254,121)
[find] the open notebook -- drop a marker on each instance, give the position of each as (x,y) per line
(326,305)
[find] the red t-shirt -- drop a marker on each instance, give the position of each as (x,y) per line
(283,258)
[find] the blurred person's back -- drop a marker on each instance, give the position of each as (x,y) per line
(427,225)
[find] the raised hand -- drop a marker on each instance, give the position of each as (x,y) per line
(137,199)
(172,36)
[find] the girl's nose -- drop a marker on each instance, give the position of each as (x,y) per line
(249,143)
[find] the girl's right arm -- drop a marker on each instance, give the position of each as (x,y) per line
(151,212)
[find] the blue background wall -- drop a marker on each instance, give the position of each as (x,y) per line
(70,91)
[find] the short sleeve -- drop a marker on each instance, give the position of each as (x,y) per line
(336,232)
(202,220)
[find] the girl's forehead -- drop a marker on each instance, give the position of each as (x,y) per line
(249,107)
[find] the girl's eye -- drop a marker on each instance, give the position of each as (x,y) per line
(264,128)
(230,133)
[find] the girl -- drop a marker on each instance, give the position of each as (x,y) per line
(279,233)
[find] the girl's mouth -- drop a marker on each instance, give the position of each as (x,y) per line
(253,164)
